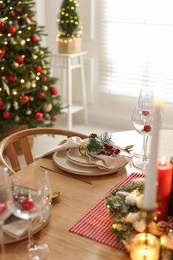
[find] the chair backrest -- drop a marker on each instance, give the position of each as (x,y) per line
(9,146)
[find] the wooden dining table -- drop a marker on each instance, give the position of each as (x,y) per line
(78,195)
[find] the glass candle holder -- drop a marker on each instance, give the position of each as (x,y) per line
(145,246)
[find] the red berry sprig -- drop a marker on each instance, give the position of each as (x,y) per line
(109,150)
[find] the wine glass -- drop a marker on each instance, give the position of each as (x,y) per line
(145,102)
(6,204)
(31,199)
(143,121)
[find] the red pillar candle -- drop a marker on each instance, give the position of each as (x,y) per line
(164,170)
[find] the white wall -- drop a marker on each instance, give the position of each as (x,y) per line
(106,109)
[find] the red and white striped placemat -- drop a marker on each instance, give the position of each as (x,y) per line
(96,223)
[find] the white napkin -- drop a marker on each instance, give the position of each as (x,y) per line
(108,162)
(71,142)
(16,229)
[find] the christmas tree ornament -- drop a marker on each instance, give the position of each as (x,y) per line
(1,103)
(45,88)
(11,77)
(38,68)
(2,51)
(19,9)
(17,118)
(34,38)
(28,112)
(54,118)
(38,116)
(41,95)
(16,105)
(24,99)
(53,90)
(1,25)
(20,59)
(11,29)
(47,107)
(22,42)
(6,114)
(32,75)
(12,41)
(44,78)
(12,14)
(27,85)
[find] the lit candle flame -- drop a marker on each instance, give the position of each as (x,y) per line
(163,160)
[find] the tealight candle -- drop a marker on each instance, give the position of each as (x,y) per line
(145,246)
(164,170)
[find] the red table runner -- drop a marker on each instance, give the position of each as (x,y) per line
(96,223)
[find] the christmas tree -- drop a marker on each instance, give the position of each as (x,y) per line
(68,19)
(28,95)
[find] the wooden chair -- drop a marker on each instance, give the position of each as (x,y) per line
(9,156)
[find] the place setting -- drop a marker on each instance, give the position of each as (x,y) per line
(95,156)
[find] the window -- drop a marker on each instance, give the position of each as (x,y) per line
(136,47)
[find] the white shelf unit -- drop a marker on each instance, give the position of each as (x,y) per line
(67,63)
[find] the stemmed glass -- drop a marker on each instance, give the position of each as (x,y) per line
(31,199)
(142,119)
(6,204)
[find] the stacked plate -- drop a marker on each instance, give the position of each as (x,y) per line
(73,161)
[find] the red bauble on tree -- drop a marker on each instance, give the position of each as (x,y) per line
(39,116)
(41,95)
(2,52)
(38,68)
(11,77)
(53,90)
(12,14)
(20,59)
(54,118)
(1,25)
(11,29)
(34,38)
(1,103)
(19,9)
(6,114)
(44,79)
(24,99)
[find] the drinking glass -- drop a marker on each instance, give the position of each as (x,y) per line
(6,204)
(143,121)
(31,199)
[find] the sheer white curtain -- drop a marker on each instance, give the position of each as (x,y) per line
(136,47)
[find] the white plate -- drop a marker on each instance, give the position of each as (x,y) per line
(75,157)
(61,160)
(36,227)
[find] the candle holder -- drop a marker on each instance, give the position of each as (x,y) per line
(149,216)
(145,247)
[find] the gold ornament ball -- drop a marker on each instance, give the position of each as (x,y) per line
(22,42)
(32,75)
(45,88)
(28,112)
(47,107)
(16,105)
(16,64)
(27,85)
(31,99)
(17,118)
(12,41)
